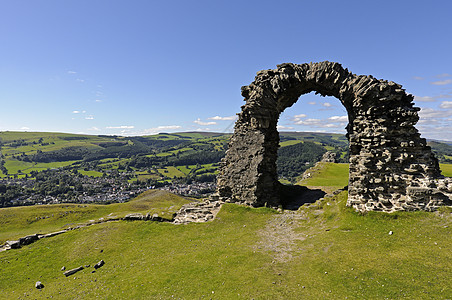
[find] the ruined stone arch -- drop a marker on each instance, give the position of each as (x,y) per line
(391,166)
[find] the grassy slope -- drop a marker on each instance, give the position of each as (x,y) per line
(446,169)
(329,176)
(343,254)
(16,222)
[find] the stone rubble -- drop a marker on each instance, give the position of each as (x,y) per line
(329,157)
(73,271)
(197,212)
(391,166)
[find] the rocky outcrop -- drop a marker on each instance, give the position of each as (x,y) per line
(141,217)
(391,166)
(329,157)
(197,212)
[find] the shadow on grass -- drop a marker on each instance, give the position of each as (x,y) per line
(294,196)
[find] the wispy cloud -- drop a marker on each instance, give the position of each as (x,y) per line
(80,80)
(312,103)
(327,104)
(443,75)
(24,128)
(424,99)
(89,118)
(428,113)
(160,129)
(218,118)
(300,116)
(75,111)
(71,72)
(199,122)
(98,100)
(94,128)
(446,104)
(418,78)
(203,129)
(334,122)
(338,119)
(120,127)
(442,82)
(282,127)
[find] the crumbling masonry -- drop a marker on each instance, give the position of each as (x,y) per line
(391,167)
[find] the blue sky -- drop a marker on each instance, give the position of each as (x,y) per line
(141,67)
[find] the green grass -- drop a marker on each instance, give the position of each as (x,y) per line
(13,166)
(343,255)
(446,169)
(289,143)
(91,173)
(328,174)
(171,172)
(16,222)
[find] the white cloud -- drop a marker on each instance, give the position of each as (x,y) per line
(446,104)
(327,104)
(308,122)
(442,82)
(434,113)
(199,122)
(120,127)
(89,117)
(218,118)
(160,129)
(282,127)
(80,80)
(172,127)
(300,116)
(71,72)
(418,78)
(76,112)
(312,103)
(443,75)
(98,100)
(424,99)
(24,128)
(338,118)
(202,129)
(94,128)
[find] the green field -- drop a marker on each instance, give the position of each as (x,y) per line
(330,253)
(91,173)
(336,175)
(16,222)
(446,169)
(323,251)
(327,174)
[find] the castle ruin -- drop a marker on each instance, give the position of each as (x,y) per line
(391,166)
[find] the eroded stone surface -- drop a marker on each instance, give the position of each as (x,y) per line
(197,212)
(391,166)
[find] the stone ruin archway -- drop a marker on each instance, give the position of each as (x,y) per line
(391,166)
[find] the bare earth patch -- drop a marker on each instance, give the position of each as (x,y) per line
(279,235)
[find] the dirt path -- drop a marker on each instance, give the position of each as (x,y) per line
(279,235)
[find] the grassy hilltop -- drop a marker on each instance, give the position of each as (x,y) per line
(323,250)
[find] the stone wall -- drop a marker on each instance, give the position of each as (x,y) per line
(391,167)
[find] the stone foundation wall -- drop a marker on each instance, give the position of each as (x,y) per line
(391,167)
